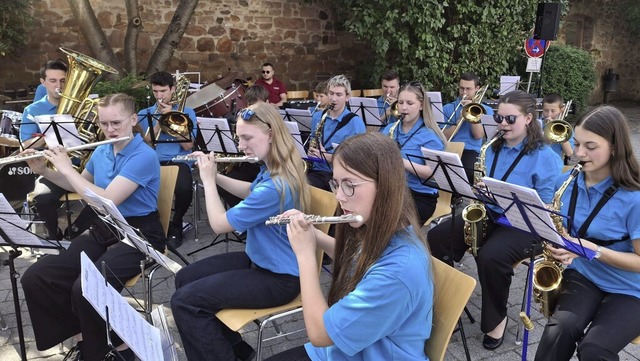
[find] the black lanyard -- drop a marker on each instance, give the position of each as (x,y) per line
(347,117)
(513,165)
(410,136)
(603,200)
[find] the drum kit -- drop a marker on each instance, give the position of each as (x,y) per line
(214,101)
(16,179)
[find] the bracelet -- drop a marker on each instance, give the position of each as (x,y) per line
(598,252)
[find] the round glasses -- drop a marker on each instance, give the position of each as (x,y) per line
(115,124)
(348,187)
(511,119)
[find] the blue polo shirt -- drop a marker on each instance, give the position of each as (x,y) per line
(538,169)
(355,126)
(41,92)
(464,133)
(138,163)
(389,314)
(411,142)
(267,246)
(618,218)
(382,107)
(166,151)
(41,107)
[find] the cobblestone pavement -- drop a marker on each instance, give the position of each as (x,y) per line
(163,289)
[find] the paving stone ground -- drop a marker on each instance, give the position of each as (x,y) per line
(164,288)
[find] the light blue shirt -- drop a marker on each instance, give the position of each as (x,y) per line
(382,107)
(619,217)
(389,314)
(355,126)
(138,163)
(166,151)
(28,127)
(41,92)
(267,246)
(423,137)
(464,133)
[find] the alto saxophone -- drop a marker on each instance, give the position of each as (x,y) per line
(314,139)
(547,272)
(475,214)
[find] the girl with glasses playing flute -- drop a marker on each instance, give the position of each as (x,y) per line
(265,274)
(380,302)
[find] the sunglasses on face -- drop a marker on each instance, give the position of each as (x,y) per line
(511,119)
(246,114)
(266,71)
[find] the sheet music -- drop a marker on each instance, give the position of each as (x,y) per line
(436,106)
(301,116)
(66,128)
(131,327)
(15,227)
(131,236)
(454,169)
(159,320)
(535,212)
(489,125)
(295,133)
(508,84)
(208,128)
(367,109)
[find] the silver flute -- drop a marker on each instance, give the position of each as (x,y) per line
(345,218)
(38,154)
(190,157)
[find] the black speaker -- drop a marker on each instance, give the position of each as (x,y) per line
(547,21)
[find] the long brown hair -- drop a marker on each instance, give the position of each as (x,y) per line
(284,161)
(526,103)
(376,157)
(609,123)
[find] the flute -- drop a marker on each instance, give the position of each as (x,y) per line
(345,218)
(38,154)
(190,157)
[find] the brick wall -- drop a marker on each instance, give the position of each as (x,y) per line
(240,35)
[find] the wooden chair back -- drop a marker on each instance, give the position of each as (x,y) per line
(297,94)
(168,177)
(370,93)
(355,93)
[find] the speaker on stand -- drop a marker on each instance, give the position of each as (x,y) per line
(546,28)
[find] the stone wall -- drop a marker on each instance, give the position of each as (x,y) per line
(598,26)
(237,35)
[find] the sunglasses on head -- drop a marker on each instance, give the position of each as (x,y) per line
(246,114)
(511,119)
(266,71)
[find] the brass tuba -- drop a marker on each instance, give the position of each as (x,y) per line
(176,123)
(471,112)
(559,130)
(547,272)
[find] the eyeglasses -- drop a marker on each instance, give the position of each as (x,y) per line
(115,124)
(246,114)
(511,119)
(266,71)
(348,187)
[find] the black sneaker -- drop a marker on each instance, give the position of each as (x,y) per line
(75,353)
(175,238)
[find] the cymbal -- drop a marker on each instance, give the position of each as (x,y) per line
(9,142)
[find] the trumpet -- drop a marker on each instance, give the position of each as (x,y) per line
(191,157)
(345,218)
(22,157)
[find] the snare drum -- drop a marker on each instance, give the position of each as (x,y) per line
(16,181)
(223,103)
(9,132)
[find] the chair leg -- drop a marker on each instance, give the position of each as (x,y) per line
(471,319)
(464,339)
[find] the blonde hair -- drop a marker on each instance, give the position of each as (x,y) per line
(127,102)
(427,115)
(341,81)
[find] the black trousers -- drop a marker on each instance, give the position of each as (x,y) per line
(425,203)
(293,354)
(242,171)
(183,192)
(613,321)
(503,247)
(47,201)
(53,291)
(468,159)
(319,179)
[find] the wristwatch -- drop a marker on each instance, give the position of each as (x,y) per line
(598,252)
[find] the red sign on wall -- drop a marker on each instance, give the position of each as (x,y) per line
(535,48)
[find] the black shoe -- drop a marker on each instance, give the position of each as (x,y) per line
(491,343)
(126,355)
(243,351)
(75,353)
(175,237)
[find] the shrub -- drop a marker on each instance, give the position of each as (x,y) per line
(132,85)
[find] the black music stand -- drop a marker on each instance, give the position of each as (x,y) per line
(368,110)
(150,119)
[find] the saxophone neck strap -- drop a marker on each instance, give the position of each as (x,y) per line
(511,168)
(572,207)
(341,125)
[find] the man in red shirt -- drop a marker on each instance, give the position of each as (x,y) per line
(277,89)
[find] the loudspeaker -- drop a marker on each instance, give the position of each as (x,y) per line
(547,21)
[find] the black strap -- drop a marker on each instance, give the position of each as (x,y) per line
(511,168)
(603,200)
(410,136)
(341,125)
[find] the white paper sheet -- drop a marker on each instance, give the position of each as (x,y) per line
(15,227)
(436,106)
(300,116)
(211,137)
(454,169)
(159,320)
(295,133)
(508,84)
(367,109)
(490,126)
(66,128)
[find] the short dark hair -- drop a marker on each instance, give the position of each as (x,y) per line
(471,76)
(267,64)
(256,93)
(57,64)
(162,78)
(553,98)
(390,75)
(321,88)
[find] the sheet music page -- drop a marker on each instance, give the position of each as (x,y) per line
(15,227)
(145,247)
(301,116)
(295,133)
(131,327)
(208,128)
(436,106)
(370,107)
(490,126)
(455,170)
(508,84)
(159,320)
(66,128)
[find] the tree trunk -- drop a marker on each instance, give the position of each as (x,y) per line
(90,28)
(131,38)
(171,39)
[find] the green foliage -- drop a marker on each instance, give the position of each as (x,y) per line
(133,85)
(15,23)
(631,13)
(434,41)
(570,72)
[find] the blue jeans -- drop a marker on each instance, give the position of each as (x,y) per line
(228,280)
